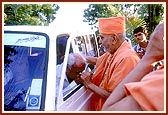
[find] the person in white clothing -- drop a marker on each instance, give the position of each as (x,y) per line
(75,66)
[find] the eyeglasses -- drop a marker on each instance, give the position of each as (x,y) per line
(137,34)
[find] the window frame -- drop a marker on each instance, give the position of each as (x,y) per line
(43,89)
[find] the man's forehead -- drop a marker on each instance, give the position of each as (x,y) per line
(78,64)
(138,33)
(102,35)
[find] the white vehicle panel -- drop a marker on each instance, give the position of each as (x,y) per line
(79,100)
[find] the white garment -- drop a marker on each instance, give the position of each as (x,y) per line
(67,86)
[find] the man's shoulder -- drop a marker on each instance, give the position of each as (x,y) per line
(135,46)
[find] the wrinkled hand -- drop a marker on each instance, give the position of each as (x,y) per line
(78,80)
(86,78)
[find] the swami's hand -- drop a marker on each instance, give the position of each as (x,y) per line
(86,78)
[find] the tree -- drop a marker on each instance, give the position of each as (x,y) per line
(148,15)
(29,14)
(152,14)
(26,14)
(94,11)
(131,24)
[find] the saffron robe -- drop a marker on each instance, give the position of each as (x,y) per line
(110,72)
(149,92)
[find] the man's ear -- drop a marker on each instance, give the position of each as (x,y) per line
(114,38)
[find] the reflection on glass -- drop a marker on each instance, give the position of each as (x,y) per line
(61,43)
(22,63)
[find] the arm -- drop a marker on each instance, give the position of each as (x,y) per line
(118,93)
(154,52)
(101,92)
(90,59)
(118,74)
(86,77)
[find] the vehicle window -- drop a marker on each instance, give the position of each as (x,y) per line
(25,64)
(92,46)
(72,91)
(61,43)
(67,91)
(87,45)
(83,44)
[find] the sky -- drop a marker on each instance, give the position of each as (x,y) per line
(70,17)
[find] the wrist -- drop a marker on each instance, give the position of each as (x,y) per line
(87,85)
(91,76)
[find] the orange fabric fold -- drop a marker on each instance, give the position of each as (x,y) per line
(149,93)
(112,25)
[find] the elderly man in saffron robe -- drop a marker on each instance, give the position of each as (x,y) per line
(142,90)
(112,66)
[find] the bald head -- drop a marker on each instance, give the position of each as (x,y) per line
(76,65)
(75,59)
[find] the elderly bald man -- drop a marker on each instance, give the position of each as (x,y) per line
(112,66)
(75,66)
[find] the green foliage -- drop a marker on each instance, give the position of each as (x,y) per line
(152,14)
(148,15)
(29,14)
(131,24)
(115,9)
(96,11)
